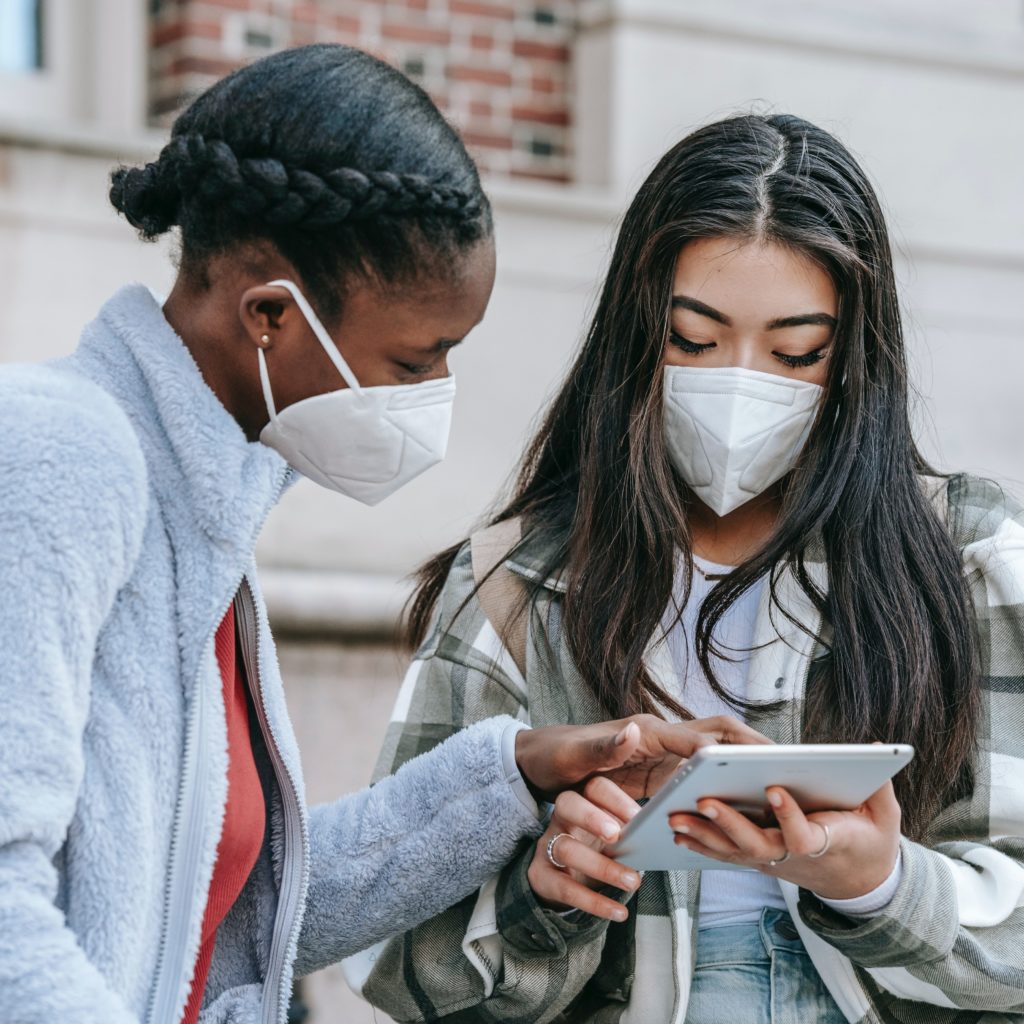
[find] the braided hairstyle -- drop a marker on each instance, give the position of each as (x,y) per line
(331,155)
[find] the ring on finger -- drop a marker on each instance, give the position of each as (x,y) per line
(779,860)
(551,850)
(825,845)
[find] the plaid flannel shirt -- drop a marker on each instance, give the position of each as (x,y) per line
(948,949)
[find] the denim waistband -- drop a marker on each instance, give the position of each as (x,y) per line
(750,942)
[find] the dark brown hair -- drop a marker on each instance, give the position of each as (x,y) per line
(901,651)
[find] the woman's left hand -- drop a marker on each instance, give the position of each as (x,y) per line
(861,846)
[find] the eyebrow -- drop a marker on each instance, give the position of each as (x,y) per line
(803,320)
(439,346)
(696,306)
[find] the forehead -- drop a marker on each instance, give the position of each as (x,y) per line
(447,303)
(753,280)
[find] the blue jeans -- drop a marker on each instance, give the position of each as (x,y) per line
(758,974)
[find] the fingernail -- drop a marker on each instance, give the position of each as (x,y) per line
(630,881)
(609,831)
(681,829)
(620,914)
(710,812)
(775,799)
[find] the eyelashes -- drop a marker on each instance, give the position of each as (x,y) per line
(416,370)
(694,348)
(808,359)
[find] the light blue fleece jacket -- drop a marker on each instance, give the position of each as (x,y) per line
(129,510)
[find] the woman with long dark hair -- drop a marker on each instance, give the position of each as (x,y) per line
(157,859)
(725,509)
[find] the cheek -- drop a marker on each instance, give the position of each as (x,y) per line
(818,373)
(671,356)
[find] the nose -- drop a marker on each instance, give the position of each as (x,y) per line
(439,372)
(746,354)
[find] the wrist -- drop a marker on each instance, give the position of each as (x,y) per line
(510,766)
(871,902)
(853,888)
(527,749)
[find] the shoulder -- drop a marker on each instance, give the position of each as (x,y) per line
(458,616)
(69,451)
(476,593)
(45,406)
(988,527)
(981,510)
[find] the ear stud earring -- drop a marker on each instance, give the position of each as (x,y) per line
(264,340)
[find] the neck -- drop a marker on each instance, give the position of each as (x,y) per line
(734,538)
(210,335)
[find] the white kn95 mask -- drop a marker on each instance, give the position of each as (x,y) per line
(365,442)
(732,433)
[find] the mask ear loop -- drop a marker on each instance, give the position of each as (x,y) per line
(268,395)
(321,334)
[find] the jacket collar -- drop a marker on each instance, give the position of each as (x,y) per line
(532,557)
(199,449)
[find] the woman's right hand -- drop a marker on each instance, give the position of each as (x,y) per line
(638,753)
(584,823)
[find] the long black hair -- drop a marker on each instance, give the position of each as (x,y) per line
(901,651)
(331,155)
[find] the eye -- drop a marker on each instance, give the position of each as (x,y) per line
(416,369)
(692,348)
(807,359)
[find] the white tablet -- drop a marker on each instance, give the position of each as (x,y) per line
(821,777)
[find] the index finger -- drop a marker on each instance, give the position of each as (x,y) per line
(726,729)
(605,794)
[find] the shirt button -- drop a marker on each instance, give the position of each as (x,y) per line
(779,683)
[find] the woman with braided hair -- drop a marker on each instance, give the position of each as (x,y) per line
(157,859)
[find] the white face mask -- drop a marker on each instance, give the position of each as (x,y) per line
(363,442)
(731,433)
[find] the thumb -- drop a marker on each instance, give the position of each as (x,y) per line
(613,749)
(883,806)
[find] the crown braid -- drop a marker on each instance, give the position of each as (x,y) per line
(192,167)
(324,153)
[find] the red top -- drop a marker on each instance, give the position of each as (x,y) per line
(245,815)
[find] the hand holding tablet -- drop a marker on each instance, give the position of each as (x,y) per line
(818,778)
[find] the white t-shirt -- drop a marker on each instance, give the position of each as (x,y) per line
(733,897)
(726,897)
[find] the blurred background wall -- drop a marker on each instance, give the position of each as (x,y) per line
(566,105)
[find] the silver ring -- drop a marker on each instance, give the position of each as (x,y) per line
(551,850)
(781,860)
(828,842)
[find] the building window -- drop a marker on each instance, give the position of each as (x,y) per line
(78,64)
(21,36)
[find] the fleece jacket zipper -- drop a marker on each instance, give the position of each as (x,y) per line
(167,1001)
(294,871)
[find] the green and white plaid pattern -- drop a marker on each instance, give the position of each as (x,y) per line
(949,949)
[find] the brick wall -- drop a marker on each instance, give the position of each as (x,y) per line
(498,68)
